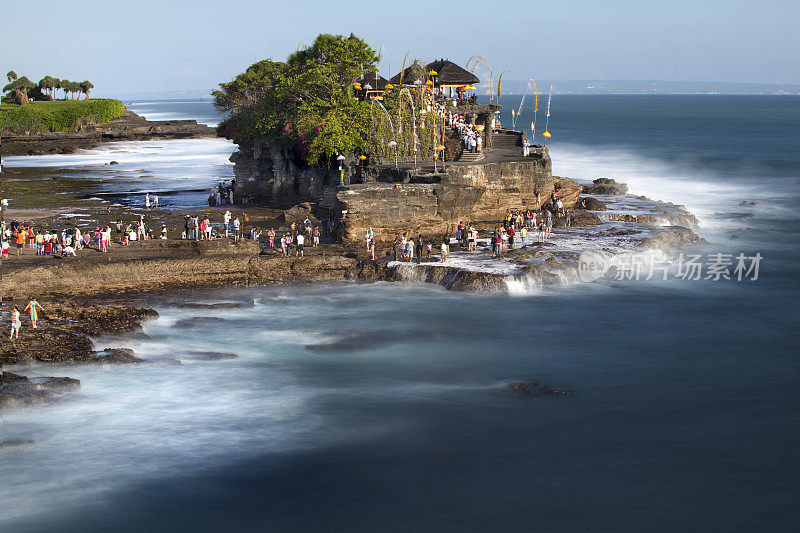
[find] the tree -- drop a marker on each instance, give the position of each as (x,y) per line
(11,75)
(305,105)
(47,84)
(86,86)
(20,86)
(248,87)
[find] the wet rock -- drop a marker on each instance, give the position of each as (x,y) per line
(606,186)
(198,355)
(199,322)
(113,163)
(747,204)
(116,356)
(221,305)
(671,238)
(567,190)
(592,204)
(535,389)
(20,390)
(299,213)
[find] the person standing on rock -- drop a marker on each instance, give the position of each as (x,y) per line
(300,241)
(548,225)
(420,247)
(226,220)
(147,201)
(237,229)
(16,323)
(155,201)
(445,249)
(34,308)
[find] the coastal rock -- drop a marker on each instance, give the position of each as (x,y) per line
(20,390)
(567,190)
(198,355)
(299,213)
(220,305)
(671,238)
(116,356)
(593,204)
(606,186)
(199,322)
(451,278)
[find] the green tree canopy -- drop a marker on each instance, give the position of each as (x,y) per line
(11,75)
(86,86)
(249,86)
(20,87)
(306,104)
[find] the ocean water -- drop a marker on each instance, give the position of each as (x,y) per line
(383,407)
(181,171)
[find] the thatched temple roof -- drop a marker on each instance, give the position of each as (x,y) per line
(449,74)
(369,78)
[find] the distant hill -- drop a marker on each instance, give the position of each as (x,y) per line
(649,87)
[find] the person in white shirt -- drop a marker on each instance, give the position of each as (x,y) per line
(300,241)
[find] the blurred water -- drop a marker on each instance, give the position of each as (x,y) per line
(383,407)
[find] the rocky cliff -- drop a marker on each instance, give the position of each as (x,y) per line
(396,200)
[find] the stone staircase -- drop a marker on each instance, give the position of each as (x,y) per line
(470,157)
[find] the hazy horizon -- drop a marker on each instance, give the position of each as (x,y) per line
(155,46)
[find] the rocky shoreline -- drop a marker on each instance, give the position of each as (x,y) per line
(107,295)
(128,127)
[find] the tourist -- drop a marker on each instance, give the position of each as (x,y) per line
(147,201)
(34,308)
(163,232)
(538,201)
(420,246)
(271,237)
(568,218)
(209,228)
(6,249)
(368,236)
(395,245)
(226,220)
(237,229)
(445,249)
(20,239)
(522,234)
(16,323)
(317,235)
(410,250)
(300,241)
(548,225)
(155,201)
(430,250)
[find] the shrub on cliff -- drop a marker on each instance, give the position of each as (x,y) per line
(59,115)
(306,104)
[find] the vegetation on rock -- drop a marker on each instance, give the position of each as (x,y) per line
(61,115)
(305,104)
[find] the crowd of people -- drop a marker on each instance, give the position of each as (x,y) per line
(471,138)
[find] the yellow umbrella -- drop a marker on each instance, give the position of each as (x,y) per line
(479,127)
(433,73)
(362,157)
(389,87)
(546,135)
(357,86)
(440,148)
(469,88)
(429,82)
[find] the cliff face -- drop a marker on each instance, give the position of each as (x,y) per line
(269,177)
(394,201)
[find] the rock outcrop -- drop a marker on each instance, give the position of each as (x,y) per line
(128,127)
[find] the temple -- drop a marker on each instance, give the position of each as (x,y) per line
(458,163)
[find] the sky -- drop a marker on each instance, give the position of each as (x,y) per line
(168,45)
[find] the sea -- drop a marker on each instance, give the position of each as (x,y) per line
(384,407)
